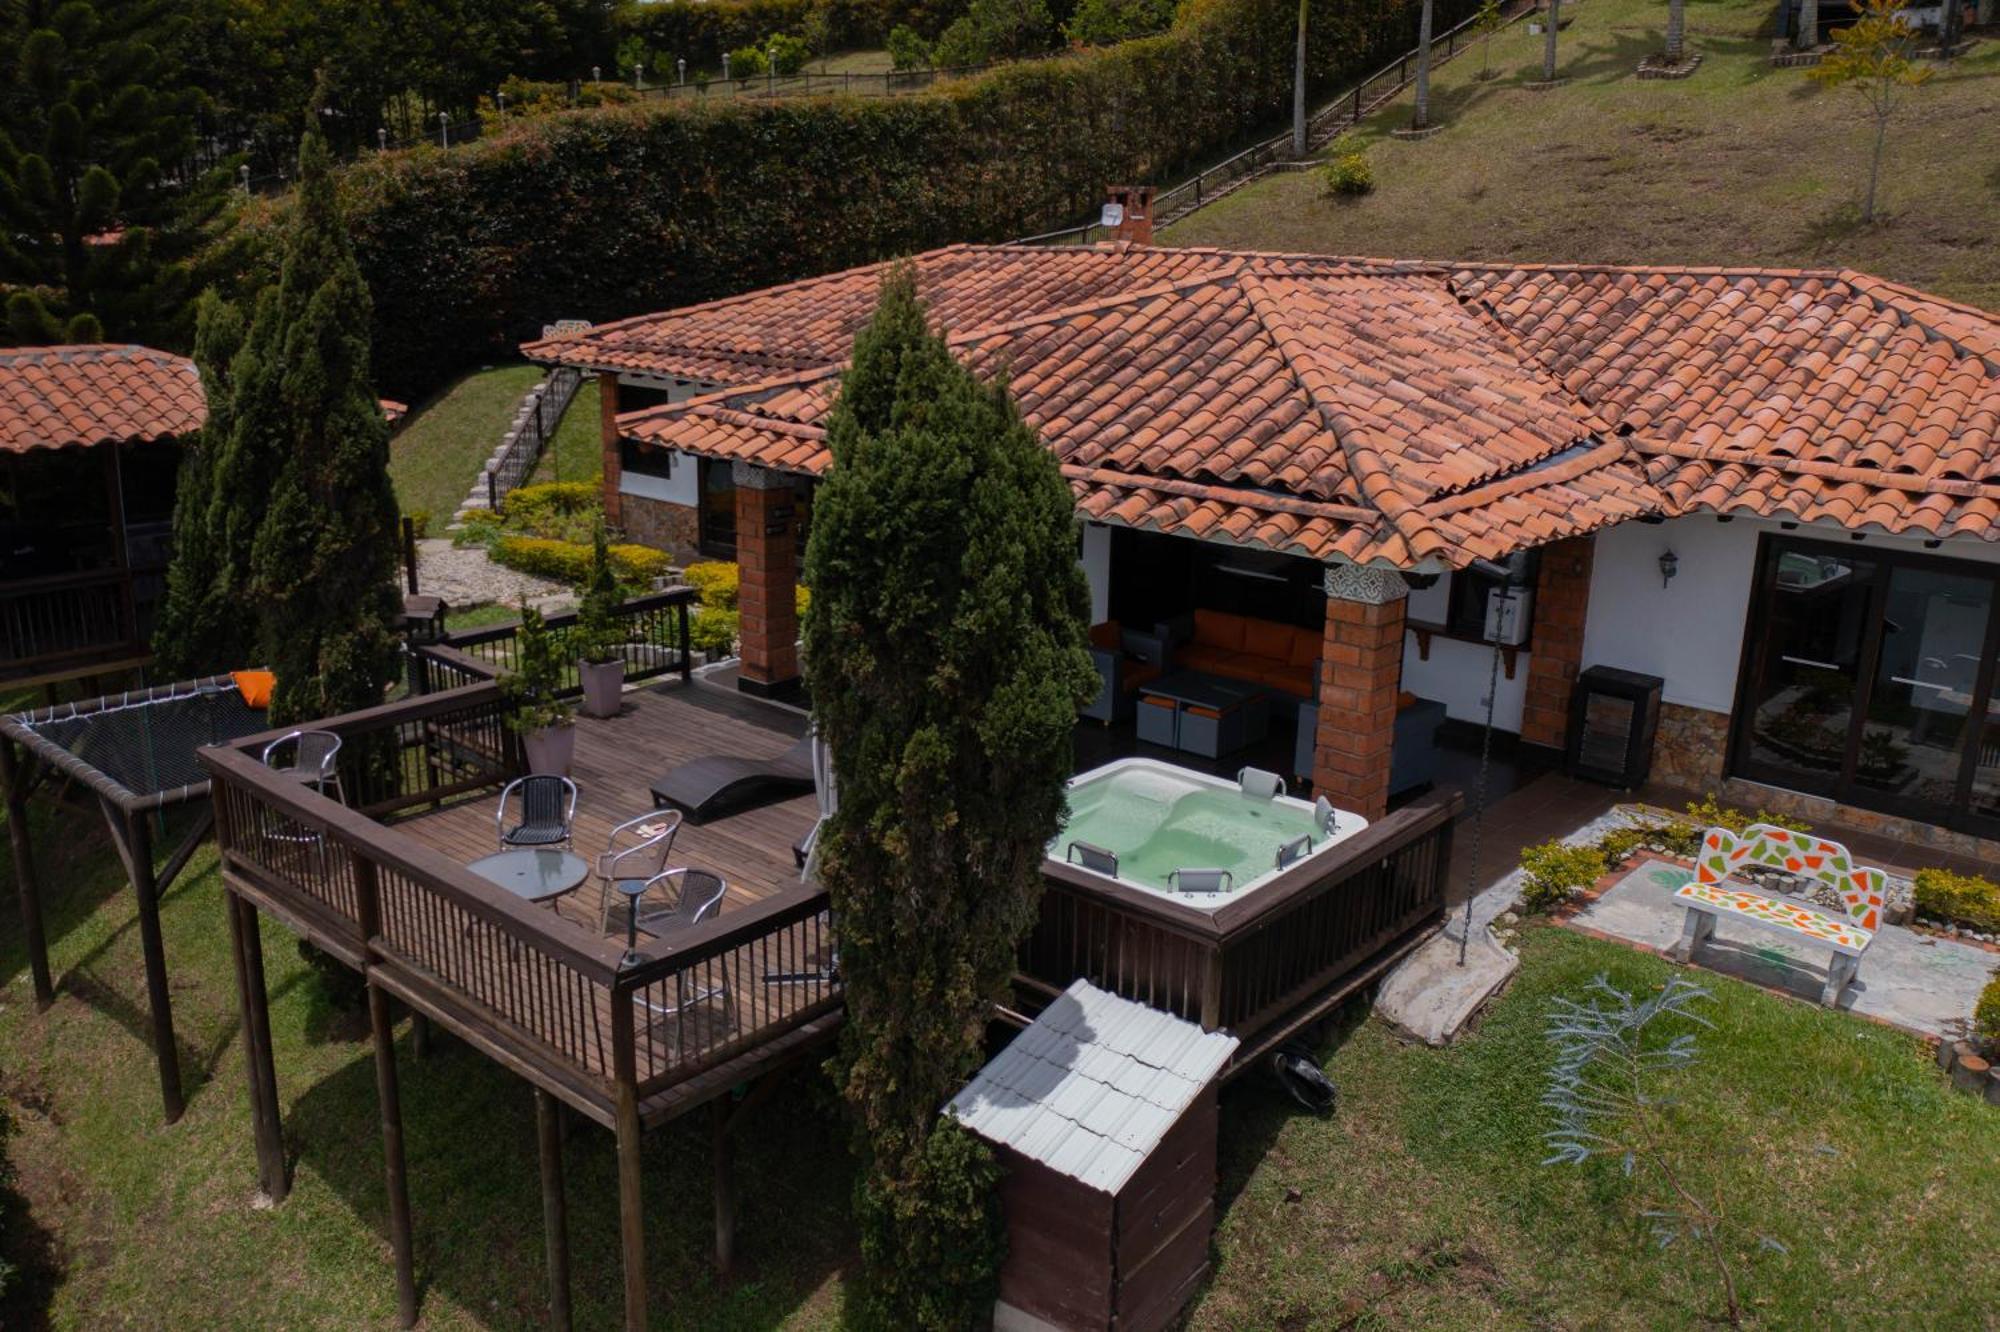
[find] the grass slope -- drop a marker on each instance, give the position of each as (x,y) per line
(435,458)
(577,452)
(1419,1204)
(1740,164)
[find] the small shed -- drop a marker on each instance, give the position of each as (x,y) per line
(1103,1113)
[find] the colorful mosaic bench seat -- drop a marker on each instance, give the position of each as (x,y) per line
(1711,894)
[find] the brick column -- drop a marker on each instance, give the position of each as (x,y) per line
(1361,671)
(1555,645)
(767,554)
(607,425)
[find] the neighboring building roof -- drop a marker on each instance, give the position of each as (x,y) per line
(1091,1087)
(392,411)
(85,395)
(1393,412)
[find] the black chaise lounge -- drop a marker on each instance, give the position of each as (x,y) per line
(704,787)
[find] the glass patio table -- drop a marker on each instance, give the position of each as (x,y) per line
(536,874)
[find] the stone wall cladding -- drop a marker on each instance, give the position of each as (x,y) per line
(1690,748)
(674,528)
(1555,649)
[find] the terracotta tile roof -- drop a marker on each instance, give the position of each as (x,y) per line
(1397,412)
(79,396)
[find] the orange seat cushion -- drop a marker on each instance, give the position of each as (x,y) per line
(255,686)
(1105,635)
(1264,638)
(1305,647)
(1218,629)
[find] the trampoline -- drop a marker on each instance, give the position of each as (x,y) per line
(135,751)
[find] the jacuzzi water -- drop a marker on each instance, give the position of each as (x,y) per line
(1157,818)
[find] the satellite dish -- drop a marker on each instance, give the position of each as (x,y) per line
(1113,215)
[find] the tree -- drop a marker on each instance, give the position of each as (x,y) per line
(1872,56)
(1808,34)
(1299,85)
(944,648)
(1488,21)
(200,632)
(323,563)
(1676,31)
(1422,118)
(1551,20)
(102,208)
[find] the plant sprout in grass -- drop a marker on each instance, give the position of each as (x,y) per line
(1608,1089)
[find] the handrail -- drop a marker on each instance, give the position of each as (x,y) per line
(63,582)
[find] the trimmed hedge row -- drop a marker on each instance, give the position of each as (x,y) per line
(607,213)
(569,561)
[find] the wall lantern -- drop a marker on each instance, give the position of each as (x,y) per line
(1670,564)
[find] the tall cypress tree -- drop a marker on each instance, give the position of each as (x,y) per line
(200,632)
(102,207)
(945,652)
(322,561)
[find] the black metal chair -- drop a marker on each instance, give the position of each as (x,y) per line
(699,897)
(633,856)
(310,757)
(548,808)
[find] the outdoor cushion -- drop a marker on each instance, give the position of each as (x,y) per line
(1105,635)
(1306,645)
(255,686)
(1263,638)
(1218,629)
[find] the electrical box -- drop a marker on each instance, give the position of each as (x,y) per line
(1507,615)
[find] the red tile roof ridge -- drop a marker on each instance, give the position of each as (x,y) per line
(1370,471)
(1265,500)
(1533,476)
(960,337)
(1643,270)
(777,425)
(1863,476)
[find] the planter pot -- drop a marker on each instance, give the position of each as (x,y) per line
(603,683)
(550,750)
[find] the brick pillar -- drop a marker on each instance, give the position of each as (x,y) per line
(1361,671)
(767,553)
(607,425)
(1555,645)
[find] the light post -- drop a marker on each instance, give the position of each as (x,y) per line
(681,69)
(381,138)
(771,65)
(500,100)
(444,129)
(639,78)
(597,73)
(243,174)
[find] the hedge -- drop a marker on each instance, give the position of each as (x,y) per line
(607,213)
(569,561)
(1966,900)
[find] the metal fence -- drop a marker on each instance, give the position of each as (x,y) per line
(517,463)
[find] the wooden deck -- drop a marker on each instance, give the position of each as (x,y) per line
(618,758)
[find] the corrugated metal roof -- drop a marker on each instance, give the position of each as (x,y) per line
(1093,1085)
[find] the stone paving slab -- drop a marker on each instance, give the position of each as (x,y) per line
(1919,982)
(464,576)
(1429,997)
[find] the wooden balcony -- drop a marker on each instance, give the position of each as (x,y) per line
(66,625)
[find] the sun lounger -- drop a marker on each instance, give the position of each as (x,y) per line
(705,787)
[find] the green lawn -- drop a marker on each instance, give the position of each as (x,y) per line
(436,457)
(1739,165)
(1419,1204)
(577,452)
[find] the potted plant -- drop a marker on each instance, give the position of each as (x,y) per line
(539,717)
(599,639)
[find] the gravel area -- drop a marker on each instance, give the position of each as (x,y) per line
(464,576)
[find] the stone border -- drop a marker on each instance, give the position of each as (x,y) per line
(1410,134)
(1656,67)
(1969,1071)
(1784,57)
(1546,86)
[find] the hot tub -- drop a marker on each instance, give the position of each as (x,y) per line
(1156,818)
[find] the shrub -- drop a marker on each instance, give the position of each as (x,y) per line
(747,62)
(715,582)
(713,630)
(907,48)
(1556,873)
(1620,843)
(787,54)
(996,30)
(526,506)
(1986,1015)
(1347,173)
(420,522)
(569,561)
(702,32)
(1961,899)
(598,634)
(1108,22)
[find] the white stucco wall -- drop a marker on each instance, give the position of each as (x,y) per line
(1457,672)
(1096,559)
(683,487)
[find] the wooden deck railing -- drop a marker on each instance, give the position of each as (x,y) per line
(1249,963)
(543,995)
(656,636)
(65,619)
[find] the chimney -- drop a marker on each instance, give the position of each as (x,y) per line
(1128,214)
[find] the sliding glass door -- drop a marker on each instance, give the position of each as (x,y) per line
(1869,679)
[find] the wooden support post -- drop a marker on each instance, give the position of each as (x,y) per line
(139,857)
(724,1155)
(420,1035)
(265,1122)
(631,1194)
(555,1206)
(14,775)
(382,1026)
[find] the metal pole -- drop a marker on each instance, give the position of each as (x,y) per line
(1479,790)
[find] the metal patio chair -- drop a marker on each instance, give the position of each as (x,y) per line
(310,757)
(634,854)
(699,897)
(548,808)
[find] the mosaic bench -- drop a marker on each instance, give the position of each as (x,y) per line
(1711,895)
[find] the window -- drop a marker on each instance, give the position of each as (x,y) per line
(641,460)
(718,510)
(1868,678)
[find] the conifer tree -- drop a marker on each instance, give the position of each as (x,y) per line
(322,562)
(945,653)
(199,632)
(102,208)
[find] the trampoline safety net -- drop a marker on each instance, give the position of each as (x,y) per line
(147,744)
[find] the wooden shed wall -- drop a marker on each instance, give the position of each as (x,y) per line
(1058,1263)
(1165,1216)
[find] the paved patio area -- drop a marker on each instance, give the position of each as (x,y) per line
(1911,980)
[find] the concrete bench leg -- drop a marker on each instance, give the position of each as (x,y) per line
(1839,975)
(1695,932)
